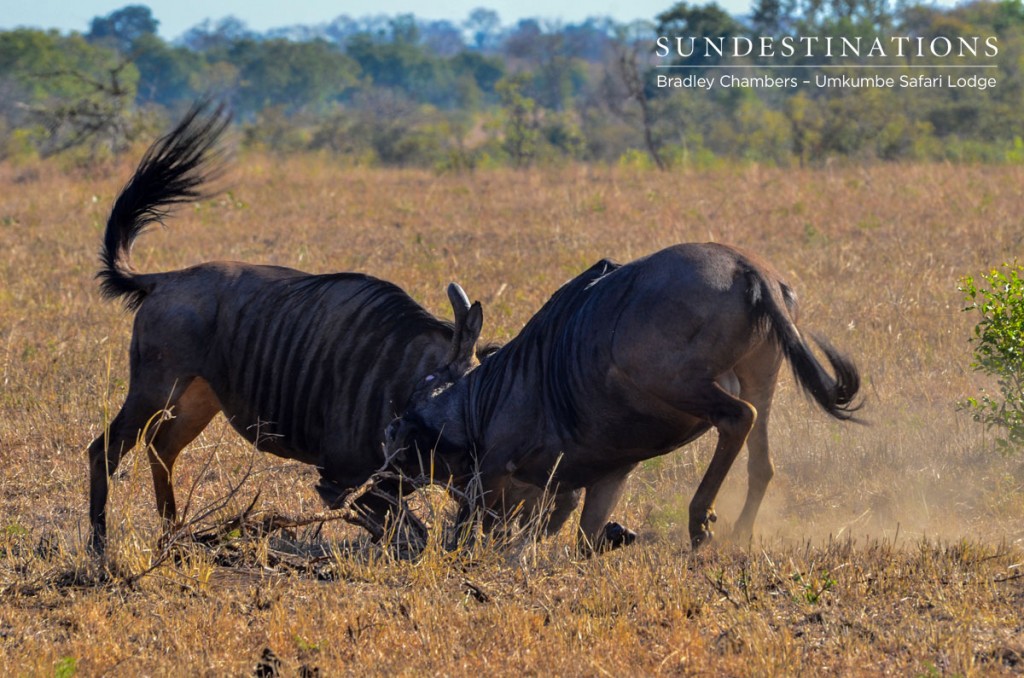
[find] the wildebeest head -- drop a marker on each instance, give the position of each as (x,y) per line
(418,444)
(431,392)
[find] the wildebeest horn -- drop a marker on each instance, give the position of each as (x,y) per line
(460,302)
(469,320)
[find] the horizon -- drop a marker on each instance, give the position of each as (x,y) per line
(177,18)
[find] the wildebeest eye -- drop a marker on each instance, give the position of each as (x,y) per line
(429,378)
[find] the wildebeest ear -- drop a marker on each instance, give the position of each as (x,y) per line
(460,303)
(467,333)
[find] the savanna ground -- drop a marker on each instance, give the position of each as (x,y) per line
(893,548)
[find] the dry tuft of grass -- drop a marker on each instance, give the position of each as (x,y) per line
(892,548)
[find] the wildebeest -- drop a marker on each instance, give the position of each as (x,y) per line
(622,364)
(307,367)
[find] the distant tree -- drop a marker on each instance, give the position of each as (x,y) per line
(558,74)
(298,33)
(389,123)
(839,17)
(74,93)
(123,27)
(217,75)
(804,125)
(523,41)
(397,60)
(404,30)
(100,118)
(342,28)
(483,26)
(591,39)
(698,22)
(294,75)
(631,69)
(209,36)
(167,74)
(441,38)
(486,71)
(770,17)
(521,125)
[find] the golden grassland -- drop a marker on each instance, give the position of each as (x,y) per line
(895,548)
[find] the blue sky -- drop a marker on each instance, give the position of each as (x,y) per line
(176,16)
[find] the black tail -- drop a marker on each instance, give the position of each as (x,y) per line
(171,172)
(836,395)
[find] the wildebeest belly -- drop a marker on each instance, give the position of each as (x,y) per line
(270,436)
(578,463)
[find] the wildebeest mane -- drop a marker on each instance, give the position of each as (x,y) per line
(382,298)
(545,343)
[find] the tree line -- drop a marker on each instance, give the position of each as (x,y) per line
(402,91)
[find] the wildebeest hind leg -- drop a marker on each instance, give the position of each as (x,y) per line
(759,472)
(760,469)
(105,454)
(141,416)
(192,411)
(733,418)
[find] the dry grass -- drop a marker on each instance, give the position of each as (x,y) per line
(895,548)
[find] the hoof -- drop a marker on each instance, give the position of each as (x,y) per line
(700,538)
(331,493)
(700,529)
(741,535)
(97,546)
(617,536)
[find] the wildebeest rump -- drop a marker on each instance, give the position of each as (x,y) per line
(307,367)
(622,364)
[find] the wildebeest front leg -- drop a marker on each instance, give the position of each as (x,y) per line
(596,533)
(381,499)
(482,506)
(543,511)
(733,418)
(565,503)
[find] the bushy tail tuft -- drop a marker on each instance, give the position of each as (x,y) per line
(170,173)
(837,394)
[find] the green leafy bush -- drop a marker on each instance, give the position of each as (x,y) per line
(999,351)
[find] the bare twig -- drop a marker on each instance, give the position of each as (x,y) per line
(720,587)
(1009,577)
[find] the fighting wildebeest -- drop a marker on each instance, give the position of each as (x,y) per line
(307,367)
(622,364)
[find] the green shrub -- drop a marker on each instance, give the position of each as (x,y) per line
(634,158)
(999,351)
(1015,156)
